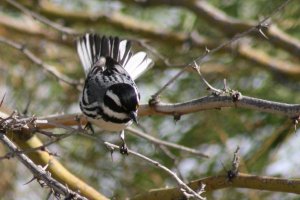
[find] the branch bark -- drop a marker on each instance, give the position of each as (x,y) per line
(205,103)
(57,170)
(218,182)
(39,173)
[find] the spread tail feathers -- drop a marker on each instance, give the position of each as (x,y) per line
(91,47)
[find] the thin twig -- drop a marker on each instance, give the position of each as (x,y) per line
(197,67)
(174,158)
(154,96)
(236,37)
(43,19)
(233,172)
(184,187)
(156,53)
(2,100)
(165,143)
(39,173)
(236,160)
(49,68)
(42,148)
(275,11)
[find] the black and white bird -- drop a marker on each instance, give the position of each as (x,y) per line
(110,97)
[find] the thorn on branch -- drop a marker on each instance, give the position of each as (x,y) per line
(154,100)
(225,85)
(233,172)
(207,50)
(295,122)
(263,34)
(45,167)
(26,109)
(70,197)
(32,179)
(186,194)
(236,96)
(44,148)
(110,148)
(177,117)
(202,189)
(7,156)
(260,27)
(2,100)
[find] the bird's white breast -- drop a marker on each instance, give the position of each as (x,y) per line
(109,126)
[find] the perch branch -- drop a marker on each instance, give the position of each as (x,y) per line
(205,103)
(186,190)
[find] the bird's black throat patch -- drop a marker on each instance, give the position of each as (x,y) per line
(128,95)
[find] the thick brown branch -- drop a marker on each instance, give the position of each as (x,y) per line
(218,182)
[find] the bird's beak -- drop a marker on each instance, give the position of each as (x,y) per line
(133,116)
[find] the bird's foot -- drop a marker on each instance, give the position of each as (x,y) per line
(89,127)
(123,149)
(123,146)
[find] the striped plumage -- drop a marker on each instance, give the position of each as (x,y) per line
(110,97)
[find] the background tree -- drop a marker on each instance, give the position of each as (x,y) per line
(253,45)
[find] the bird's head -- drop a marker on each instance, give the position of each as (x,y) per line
(123,98)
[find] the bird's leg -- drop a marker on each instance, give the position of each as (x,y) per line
(123,147)
(89,126)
